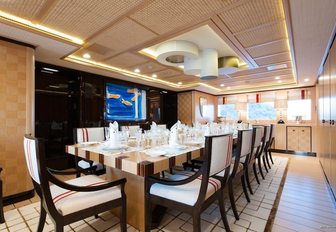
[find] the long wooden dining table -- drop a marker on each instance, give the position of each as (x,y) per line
(135,164)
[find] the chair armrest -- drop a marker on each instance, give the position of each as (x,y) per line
(155,180)
(77,188)
(61,172)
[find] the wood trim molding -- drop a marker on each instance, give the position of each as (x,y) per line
(288,20)
(222,30)
(43,12)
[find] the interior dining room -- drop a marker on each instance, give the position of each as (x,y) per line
(167,115)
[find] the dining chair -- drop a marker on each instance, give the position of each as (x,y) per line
(82,135)
(132,129)
(192,193)
(261,156)
(238,169)
(270,144)
(2,217)
(72,200)
(255,150)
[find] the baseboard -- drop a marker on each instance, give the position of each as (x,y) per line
(18,197)
(329,186)
(304,153)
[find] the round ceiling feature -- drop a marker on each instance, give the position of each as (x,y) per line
(173,53)
(192,66)
(228,65)
(209,69)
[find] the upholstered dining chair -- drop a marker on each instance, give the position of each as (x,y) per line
(72,200)
(238,169)
(270,144)
(2,217)
(192,193)
(132,129)
(255,150)
(84,135)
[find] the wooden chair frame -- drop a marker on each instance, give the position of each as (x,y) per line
(241,173)
(201,203)
(47,206)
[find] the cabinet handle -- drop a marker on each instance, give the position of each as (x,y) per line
(323,121)
(332,122)
(302,130)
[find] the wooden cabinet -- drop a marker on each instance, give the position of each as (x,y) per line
(299,138)
(326,117)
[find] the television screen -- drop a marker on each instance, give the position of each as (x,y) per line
(125,103)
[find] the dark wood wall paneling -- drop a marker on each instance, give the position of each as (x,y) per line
(69,98)
(326,88)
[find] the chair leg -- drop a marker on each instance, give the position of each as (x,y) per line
(222,211)
(270,155)
(248,180)
(260,169)
(255,173)
(232,200)
(267,160)
(123,210)
(265,165)
(242,178)
(42,219)
(196,221)
(59,228)
(148,214)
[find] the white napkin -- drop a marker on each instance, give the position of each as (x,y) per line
(173,137)
(176,125)
(114,138)
(153,126)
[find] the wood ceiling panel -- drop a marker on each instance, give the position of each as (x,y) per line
(124,35)
(27,9)
(126,59)
(149,68)
(166,15)
(273,59)
(259,70)
(275,47)
(184,78)
(83,18)
(164,74)
(262,35)
(252,14)
(228,81)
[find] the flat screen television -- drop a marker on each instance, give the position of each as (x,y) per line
(125,103)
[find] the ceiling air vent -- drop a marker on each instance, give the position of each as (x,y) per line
(276,67)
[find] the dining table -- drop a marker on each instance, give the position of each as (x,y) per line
(135,163)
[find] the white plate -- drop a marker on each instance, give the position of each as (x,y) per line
(155,153)
(120,147)
(88,143)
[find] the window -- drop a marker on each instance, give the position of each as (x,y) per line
(228,111)
(261,111)
(299,108)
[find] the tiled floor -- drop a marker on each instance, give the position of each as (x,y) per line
(306,203)
(297,207)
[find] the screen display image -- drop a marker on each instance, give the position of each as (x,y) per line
(125,103)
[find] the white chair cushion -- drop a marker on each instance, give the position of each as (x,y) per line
(67,201)
(84,164)
(187,193)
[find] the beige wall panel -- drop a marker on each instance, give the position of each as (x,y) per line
(184,107)
(16,114)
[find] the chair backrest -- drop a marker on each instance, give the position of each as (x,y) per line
(132,129)
(257,137)
(267,133)
(29,145)
(272,132)
(243,148)
(220,153)
(93,134)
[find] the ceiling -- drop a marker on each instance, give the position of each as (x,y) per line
(263,34)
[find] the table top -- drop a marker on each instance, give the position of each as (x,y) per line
(136,160)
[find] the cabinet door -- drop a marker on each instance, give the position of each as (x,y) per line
(332,65)
(304,138)
(292,138)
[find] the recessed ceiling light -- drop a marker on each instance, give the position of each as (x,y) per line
(279,81)
(306,79)
(228,87)
(137,70)
(86,56)
(50,69)
(277,78)
(179,83)
(222,85)
(154,75)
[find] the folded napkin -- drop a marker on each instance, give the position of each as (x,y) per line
(177,125)
(114,137)
(173,137)
(154,126)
